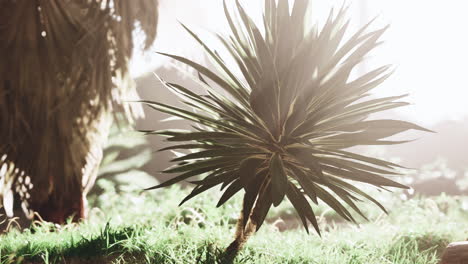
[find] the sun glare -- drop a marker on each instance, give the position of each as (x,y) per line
(425,42)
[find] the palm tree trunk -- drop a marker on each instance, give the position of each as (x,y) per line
(59,207)
(241,237)
(256,217)
(63,65)
(59,211)
(243,234)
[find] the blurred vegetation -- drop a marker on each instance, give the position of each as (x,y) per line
(125,154)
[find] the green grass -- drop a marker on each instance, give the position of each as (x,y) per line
(150,228)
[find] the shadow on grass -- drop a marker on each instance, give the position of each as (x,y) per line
(100,248)
(111,245)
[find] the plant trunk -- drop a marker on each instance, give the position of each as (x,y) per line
(242,234)
(241,237)
(54,188)
(59,207)
(53,92)
(60,210)
(256,217)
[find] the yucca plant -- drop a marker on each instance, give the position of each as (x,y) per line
(283,127)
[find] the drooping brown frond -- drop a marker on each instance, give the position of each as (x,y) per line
(64,66)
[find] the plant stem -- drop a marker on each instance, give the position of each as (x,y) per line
(242,234)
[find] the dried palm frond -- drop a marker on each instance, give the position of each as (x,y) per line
(64,67)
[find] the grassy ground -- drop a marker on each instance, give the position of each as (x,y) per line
(150,228)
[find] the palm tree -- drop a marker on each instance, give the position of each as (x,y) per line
(282,128)
(64,70)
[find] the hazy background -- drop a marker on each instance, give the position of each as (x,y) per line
(426,42)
